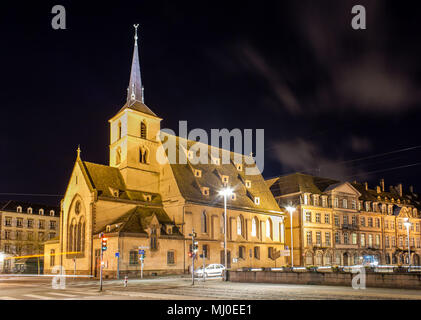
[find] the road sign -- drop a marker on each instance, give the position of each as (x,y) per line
(141,251)
(117,254)
(234,260)
(286,248)
(284,253)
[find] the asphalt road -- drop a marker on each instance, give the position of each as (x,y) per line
(180,288)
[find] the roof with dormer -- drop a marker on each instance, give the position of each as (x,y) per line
(211,177)
(108,180)
(138,220)
(12,206)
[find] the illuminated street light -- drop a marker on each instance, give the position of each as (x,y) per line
(291,210)
(407,224)
(225,193)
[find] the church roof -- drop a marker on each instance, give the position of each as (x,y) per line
(138,106)
(138,219)
(211,177)
(108,180)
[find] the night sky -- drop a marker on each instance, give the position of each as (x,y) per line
(324,93)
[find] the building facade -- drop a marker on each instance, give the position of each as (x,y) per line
(344,223)
(144,200)
(24,229)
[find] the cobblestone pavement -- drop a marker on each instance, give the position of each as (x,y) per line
(180,288)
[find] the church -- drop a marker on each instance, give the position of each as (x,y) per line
(137,202)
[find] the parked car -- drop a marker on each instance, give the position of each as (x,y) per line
(211,270)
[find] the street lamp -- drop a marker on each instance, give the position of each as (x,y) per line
(407,224)
(227,191)
(291,209)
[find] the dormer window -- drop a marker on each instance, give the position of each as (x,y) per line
(248,184)
(256,200)
(205,191)
(51,213)
(216,161)
(169,230)
(197,173)
(19,209)
(29,210)
(148,197)
(115,193)
(233,196)
(190,155)
(41,212)
(108,228)
(225,179)
(239,167)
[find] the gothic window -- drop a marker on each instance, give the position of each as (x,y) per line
(118,156)
(240,225)
(204,222)
(254,224)
(269,230)
(154,240)
(119,131)
(143,130)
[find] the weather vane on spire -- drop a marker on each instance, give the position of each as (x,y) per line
(135,36)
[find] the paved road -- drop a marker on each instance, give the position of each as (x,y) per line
(176,288)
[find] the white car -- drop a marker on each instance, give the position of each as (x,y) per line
(211,270)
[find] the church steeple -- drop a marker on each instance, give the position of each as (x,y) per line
(135,89)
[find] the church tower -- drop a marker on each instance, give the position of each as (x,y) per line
(133,135)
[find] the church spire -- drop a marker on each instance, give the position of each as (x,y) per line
(135,89)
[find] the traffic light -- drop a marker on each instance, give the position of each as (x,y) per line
(190,254)
(195,247)
(104,243)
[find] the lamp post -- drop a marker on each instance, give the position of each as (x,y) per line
(291,209)
(407,224)
(225,193)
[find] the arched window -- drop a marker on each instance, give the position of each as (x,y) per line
(240,225)
(309,258)
(204,222)
(328,259)
(319,259)
(119,130)
(143,130)
(143,155)
(19,209)
(269,231)
(78,237)
(254,224)
(118,156)
(29,210)
(387,256)
(338,258)
(41,212)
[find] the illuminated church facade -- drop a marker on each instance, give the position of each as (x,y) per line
(138,202)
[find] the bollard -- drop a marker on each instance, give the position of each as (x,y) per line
(126,278)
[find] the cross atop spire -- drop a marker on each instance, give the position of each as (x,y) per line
(135,90)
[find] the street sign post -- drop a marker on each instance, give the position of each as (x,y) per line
(194,249)
(117,255)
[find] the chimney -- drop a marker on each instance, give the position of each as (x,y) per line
(411,189)
(399,187)
(382,184)
(366,185)
(378,189)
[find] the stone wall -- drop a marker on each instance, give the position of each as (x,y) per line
(379,280)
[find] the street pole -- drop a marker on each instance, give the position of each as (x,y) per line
(409,246)
(193,256)
(141,268)
(225,236)
(100,271)
(203,255)
(291,209)
(118,266)
(74,266)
